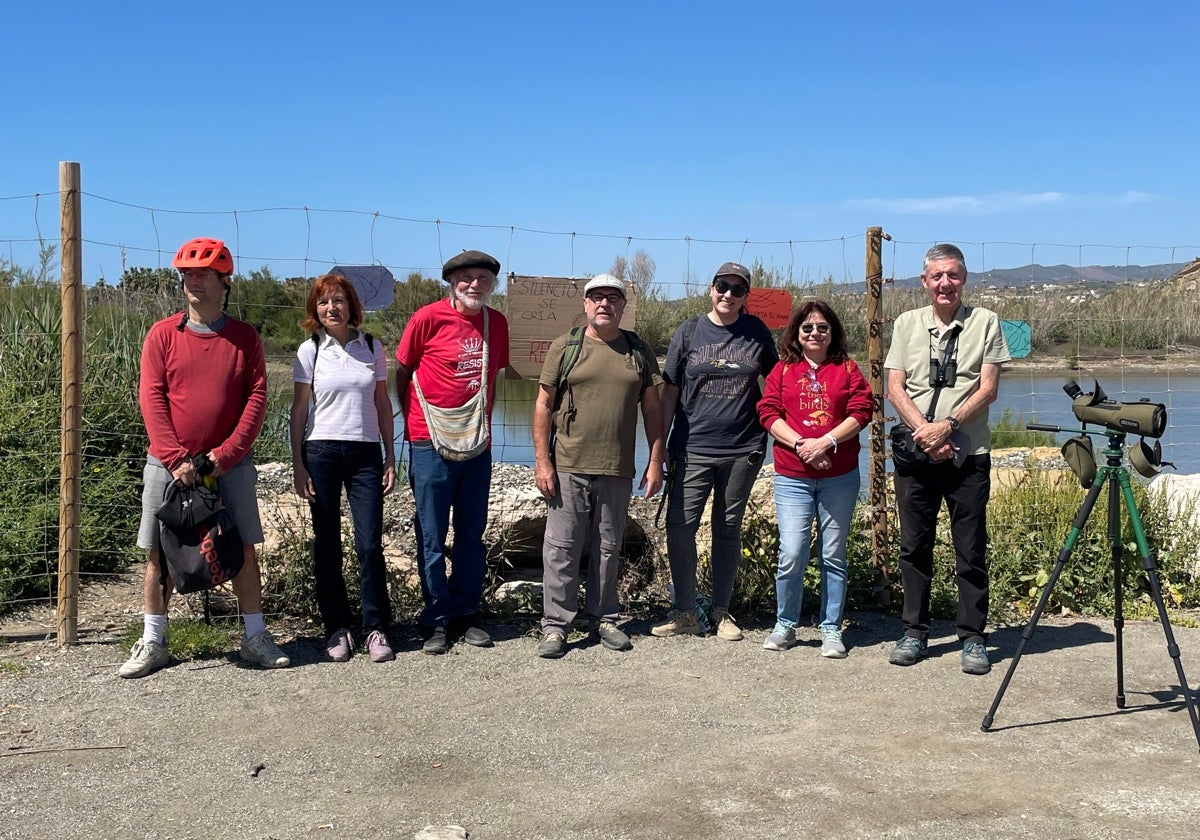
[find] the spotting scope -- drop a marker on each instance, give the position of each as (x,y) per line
(1136,418)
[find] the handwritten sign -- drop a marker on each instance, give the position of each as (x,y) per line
(540,309)
(774,306)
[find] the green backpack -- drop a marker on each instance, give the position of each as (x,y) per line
(570,356)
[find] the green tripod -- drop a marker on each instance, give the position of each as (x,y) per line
(1116,476)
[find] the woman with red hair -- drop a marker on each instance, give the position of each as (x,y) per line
(342,436)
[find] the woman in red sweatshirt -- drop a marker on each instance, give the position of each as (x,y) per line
(814,404)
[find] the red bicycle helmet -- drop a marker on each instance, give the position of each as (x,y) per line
(205,252)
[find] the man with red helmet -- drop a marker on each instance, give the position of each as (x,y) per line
(203,395)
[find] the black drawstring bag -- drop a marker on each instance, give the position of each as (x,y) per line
(201,547)
(187,507)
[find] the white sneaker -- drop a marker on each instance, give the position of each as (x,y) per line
(261,650)
(144,659)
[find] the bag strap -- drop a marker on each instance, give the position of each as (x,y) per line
(940,383)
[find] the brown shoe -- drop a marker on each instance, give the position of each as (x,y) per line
(679,623)
(727,628)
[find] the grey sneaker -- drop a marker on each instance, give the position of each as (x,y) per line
(781,638)
(908,651)
(975,658)
(261,650)
(831,643)
(144,659)
(611,636)
(436,643)
(679,623)
(552,646)
(727,628)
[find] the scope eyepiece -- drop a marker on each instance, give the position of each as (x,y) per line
(1073,390)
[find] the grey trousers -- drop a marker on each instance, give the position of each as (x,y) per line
(729,480)
(587,508)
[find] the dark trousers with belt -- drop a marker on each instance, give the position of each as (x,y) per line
(919,498)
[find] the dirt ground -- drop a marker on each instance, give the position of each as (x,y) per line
(679,738)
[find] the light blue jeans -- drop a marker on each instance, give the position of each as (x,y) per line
(798,501)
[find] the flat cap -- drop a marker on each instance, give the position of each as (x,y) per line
(734,269)
(470,259)
(605,281)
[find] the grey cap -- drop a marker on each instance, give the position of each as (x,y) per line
(605,281)
(735,270)
(470,259)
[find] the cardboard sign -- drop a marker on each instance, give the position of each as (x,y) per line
(540,309)
(773,306)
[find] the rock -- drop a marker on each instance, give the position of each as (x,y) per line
(442,832)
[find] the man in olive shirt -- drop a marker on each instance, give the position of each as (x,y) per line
(955,352)
(587,478)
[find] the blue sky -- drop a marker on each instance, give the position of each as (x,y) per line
(698,132)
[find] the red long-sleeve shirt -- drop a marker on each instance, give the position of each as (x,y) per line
(813,403)
(202,392)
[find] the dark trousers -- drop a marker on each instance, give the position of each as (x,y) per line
(919,498)
(358,467)
(728,479)
(439,487)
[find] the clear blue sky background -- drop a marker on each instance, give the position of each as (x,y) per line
(1076,123)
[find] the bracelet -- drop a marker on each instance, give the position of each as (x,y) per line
(832,440)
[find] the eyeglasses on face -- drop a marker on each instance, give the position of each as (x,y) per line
(808,328)
(735,289)
(612,297)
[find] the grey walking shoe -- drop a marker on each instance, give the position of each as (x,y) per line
(611,636)
(781,638)
(552,646)
(975,658)
(261,650)
(908,651)
(831,643)
(145,658)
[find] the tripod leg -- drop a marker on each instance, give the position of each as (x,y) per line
(1151,569)
(1114,539)
(1081,517)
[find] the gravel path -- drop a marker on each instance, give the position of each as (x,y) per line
(680,738)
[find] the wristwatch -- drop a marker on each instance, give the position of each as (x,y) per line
(953,423)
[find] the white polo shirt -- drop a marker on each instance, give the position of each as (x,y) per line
(343,387)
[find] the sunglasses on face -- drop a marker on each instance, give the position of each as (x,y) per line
(808,328)
(735,289)
(613,298)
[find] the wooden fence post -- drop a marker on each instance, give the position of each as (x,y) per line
(72,402)
(877,493)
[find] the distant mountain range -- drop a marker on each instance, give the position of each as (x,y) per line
(1087,275)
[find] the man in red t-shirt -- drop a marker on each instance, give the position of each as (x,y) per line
(443,365)
(203,392)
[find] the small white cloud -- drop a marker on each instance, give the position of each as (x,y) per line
(1136,197)
(979,205)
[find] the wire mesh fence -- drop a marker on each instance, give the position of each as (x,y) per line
(1108,312)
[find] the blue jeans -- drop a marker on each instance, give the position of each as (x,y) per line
(798,501)
(357,466)
(439,485)
(728,479)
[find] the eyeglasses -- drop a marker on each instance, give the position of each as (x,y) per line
(735,289)
(599,297)
(808,328)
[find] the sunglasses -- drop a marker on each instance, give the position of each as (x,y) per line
(599,297)
(735,289)
(808,328)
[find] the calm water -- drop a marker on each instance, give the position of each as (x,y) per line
(1033,397)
